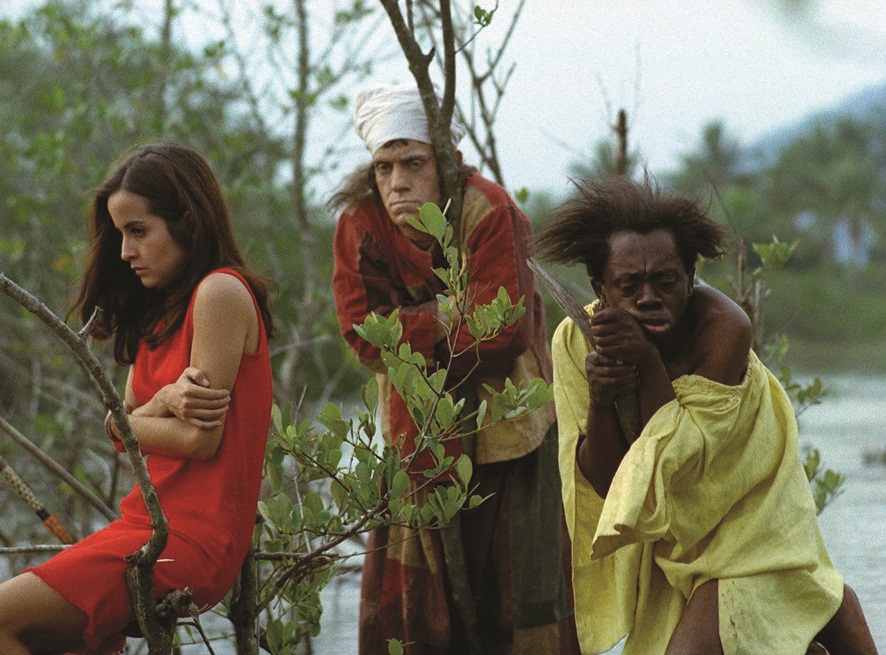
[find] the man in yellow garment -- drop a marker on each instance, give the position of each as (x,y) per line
(700,537)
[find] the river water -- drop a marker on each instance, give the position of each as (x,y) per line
(844,427)
(850,421)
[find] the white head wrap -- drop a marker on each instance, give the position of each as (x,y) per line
(386,112)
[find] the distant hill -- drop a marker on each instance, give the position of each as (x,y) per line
(763,152)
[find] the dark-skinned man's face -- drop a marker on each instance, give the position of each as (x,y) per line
(645,277)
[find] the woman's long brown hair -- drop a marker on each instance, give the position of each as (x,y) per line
(179,187)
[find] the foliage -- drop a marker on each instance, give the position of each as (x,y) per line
(832,179)
(334,477)
(715,162)
(99,82)
(293,76)
(829,304)
(827,485)
(85,82)
(872,457)
(101,77)
(751,295)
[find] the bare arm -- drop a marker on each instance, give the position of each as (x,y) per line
(624,361)
(618,336)
(601,451)
(190,398)
(225,327)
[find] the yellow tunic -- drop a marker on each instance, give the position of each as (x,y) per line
(712,489)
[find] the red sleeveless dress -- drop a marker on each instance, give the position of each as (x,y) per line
(210,504)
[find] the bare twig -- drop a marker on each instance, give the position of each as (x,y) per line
(49,520)
(479,119)
(40,548)
(621,134)
(90,324)
(57,469)
(196,623)
(140,577)
(751,293)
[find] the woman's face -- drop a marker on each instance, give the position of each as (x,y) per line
(148,247)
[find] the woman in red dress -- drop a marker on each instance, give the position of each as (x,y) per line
(192,320)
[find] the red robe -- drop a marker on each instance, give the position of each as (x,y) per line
(405,595)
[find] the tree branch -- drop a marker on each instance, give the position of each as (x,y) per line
(244,607)
(479,130)
(439,118)
(140,576)
(57,469)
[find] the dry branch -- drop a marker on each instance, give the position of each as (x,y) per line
(487,83)
(439,116)
(57,469)
(49,520)
(140,577)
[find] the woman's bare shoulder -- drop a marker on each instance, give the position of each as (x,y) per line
(222,288)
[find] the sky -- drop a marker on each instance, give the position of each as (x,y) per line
(673,65)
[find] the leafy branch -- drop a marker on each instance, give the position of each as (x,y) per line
(751,293)
(335,476)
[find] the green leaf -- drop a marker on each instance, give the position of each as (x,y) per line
(776,253)
(370,395)
(465,469)
(340,495)
(400,483)
(437,380)
(277,418)
(313,501)
(482,17)
(811,463)
(477,331)
(481,414)
(274,466)
(280,512)
(433,220)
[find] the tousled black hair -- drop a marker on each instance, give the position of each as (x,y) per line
(580,229)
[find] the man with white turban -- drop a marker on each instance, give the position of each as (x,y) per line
(513,543)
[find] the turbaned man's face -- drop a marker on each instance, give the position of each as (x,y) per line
(406,175)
